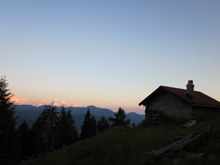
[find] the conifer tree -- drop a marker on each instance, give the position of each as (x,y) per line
(62,128)
(51,118)
(25,138)
(67,133)
(103,124)
(39,139)
(89,126)
(119,119)
(45,129)
(8,136)
(73,134)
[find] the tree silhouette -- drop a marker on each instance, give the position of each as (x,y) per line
(8,136)
(62,127)
(89,126)
(103,124)
(45,129)
(25,136)
(67,133)
(73,134)
(51,118)
(39,143)
(119,119)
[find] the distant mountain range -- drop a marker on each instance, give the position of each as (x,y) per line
(30,114)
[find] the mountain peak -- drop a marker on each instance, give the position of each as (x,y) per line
(91,106)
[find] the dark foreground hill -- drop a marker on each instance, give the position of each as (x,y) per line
(131,146)
(30,114)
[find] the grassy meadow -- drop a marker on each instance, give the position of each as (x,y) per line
(120,145)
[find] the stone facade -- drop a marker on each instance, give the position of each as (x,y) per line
(199,112)
(170,105)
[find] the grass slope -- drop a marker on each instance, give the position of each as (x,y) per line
(121,145)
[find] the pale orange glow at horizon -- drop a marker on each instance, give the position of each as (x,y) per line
(63,102)
(56,102)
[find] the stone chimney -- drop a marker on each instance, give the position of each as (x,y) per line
(190,89)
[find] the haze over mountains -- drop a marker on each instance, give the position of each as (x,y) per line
(30,114)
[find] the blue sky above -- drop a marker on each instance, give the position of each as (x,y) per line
(108,53)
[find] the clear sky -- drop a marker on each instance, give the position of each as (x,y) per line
(108,53)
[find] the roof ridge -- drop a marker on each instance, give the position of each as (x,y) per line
(181,89)
(199,97)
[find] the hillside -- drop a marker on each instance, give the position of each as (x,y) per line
(121,145)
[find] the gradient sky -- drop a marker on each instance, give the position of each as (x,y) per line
(108,53)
